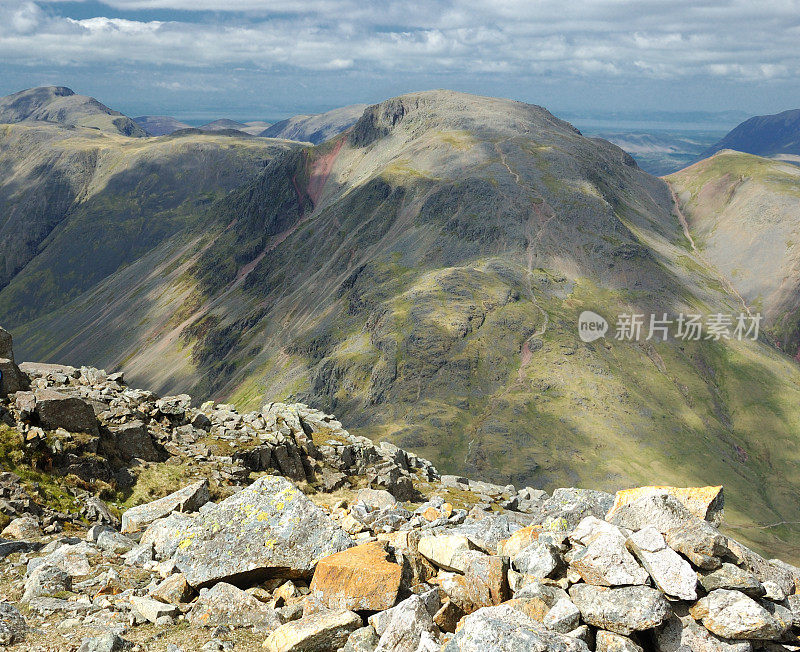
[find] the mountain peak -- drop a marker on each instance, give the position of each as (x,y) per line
(61,105)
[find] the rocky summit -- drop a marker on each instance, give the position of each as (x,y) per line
(138,522)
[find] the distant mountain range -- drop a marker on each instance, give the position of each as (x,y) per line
(422,273)
(316,128)
(765,135)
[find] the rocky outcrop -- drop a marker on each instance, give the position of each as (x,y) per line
(267,546)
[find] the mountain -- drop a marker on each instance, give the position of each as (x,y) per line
(422,274)
(765,135)
(78,203)
(316,128)
(744,214)
(160,125)
(661,152)
(223,125)
(62,106)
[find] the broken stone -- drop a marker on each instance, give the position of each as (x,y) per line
(188,499)
(670,572)
(732,614)
(442,550)
(622,610)
(503,629)
(326,630)
(224,604)
(358,579)
(703,502)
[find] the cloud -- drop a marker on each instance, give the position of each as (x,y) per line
(732,39)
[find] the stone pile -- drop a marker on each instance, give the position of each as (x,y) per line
(300,537)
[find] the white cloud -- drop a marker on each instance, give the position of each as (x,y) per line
(730,39)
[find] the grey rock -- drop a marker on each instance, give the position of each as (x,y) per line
(563,617)
(680,633)
(605,560)
(224,604)
(731,577)
(12,379)
(732,614)
(58,410)
(376,498)
(326,630)
(160,534)
(568,507)
(108,642)
(694,538)
(504,629)
(610,642)
(132,440)
(409,621)
(139,555)
(13,627)
(622,610)
(115,542)
(538,559)
(46,581)
(174,406)
(489,531)
(268,528)
(670,572)
(6,345)
(362,640)
(152,609)
(188,499)
(764,571)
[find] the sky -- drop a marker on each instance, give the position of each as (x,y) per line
(251,59)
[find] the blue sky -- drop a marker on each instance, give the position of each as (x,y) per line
(198,59)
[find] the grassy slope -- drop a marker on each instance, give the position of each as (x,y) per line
(744,214)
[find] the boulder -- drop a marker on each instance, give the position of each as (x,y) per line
(59,410)
(23,527)
(6,345)
(224,604)
(681,633)
(503,629)
(115,542)
(160,534)
(622,610)
(376,498)
(563,617)
(488,532)
(568,507)
(519,540)
(132,440)
(487,579)
(151,609)
(703,502)
(540,559)
(108,642)
(696,539)
(13,627)
(611,642)
(732,614)
(731,577)
(73,559)
(326,630)
(409,622)
(46,581)
(269,528)
(358,579)
(173,590)
(362,640)
(605,560)
(188,499)
(442,549)
(670,572)
(12,380)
